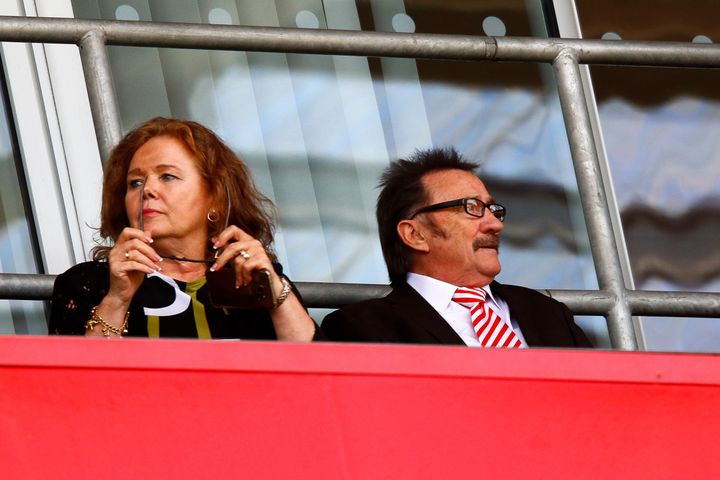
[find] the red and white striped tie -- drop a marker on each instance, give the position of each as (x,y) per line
(491,330)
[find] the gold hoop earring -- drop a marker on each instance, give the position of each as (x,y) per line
(213,215)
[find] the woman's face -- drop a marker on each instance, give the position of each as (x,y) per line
(175,199)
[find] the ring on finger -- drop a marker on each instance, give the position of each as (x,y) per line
(127,254)
(244,254)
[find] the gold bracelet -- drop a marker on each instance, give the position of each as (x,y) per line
(284,293)
(106,328)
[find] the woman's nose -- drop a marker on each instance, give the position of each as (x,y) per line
(148,189)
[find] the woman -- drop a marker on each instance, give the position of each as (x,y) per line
(177,202)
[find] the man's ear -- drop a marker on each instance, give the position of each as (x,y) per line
(411,233)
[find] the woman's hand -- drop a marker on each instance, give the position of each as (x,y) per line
(245,254)
(130,260)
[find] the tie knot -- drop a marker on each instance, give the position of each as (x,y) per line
(468,296)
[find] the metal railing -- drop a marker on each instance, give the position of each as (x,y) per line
(613,300)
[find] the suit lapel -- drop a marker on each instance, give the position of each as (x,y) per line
(415,310)
(521,312)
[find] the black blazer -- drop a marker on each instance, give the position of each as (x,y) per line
(83,286)
(404,316)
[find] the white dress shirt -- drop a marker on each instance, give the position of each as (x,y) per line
(439,295)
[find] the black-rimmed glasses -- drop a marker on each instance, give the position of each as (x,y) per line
(473,207)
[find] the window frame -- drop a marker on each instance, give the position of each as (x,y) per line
(56,138)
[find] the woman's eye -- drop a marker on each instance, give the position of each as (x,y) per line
(168,176)
(136,183)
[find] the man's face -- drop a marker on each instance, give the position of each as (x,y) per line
(463,249)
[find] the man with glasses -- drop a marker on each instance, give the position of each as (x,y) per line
(439,230)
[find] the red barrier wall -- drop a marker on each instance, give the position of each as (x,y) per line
(95,408)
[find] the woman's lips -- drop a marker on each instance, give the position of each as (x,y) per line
(149,212)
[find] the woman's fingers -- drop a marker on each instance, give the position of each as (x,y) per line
(132,252)
(229,235)
(243,252)
(244,257)
(133,266)
(129,233)
(140,252)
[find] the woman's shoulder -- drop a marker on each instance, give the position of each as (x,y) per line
(86,268)
(85,273)
(75,292)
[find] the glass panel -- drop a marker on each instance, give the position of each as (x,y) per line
(318,130)
(662,136)
(17,242)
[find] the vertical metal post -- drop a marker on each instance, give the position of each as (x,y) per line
(101,91)
(593,198)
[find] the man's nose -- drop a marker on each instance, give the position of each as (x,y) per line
(492,224)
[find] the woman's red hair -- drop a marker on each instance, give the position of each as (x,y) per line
(223,172)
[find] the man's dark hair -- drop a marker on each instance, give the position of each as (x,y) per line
(402,192)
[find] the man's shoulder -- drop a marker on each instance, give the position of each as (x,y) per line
(543,320)
(376,319)
(355,322)
(362,307)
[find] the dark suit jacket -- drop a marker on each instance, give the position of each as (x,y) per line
(403,316)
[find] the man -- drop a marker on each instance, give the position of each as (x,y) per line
(439,230)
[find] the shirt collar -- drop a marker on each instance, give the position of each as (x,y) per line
(436,292)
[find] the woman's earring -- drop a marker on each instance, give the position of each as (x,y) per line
(213,215)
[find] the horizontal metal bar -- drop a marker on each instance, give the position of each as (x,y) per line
(641,302)
(347,42)
(610,52)
(248,38)
(674,304)
(333,295)
(584,302)
(26,286)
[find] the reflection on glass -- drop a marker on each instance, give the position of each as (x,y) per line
(317,130)
(662,137)
(16,241)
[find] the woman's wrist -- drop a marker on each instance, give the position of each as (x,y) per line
(96,324)
(113,302)
(108,318)
(285,291)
